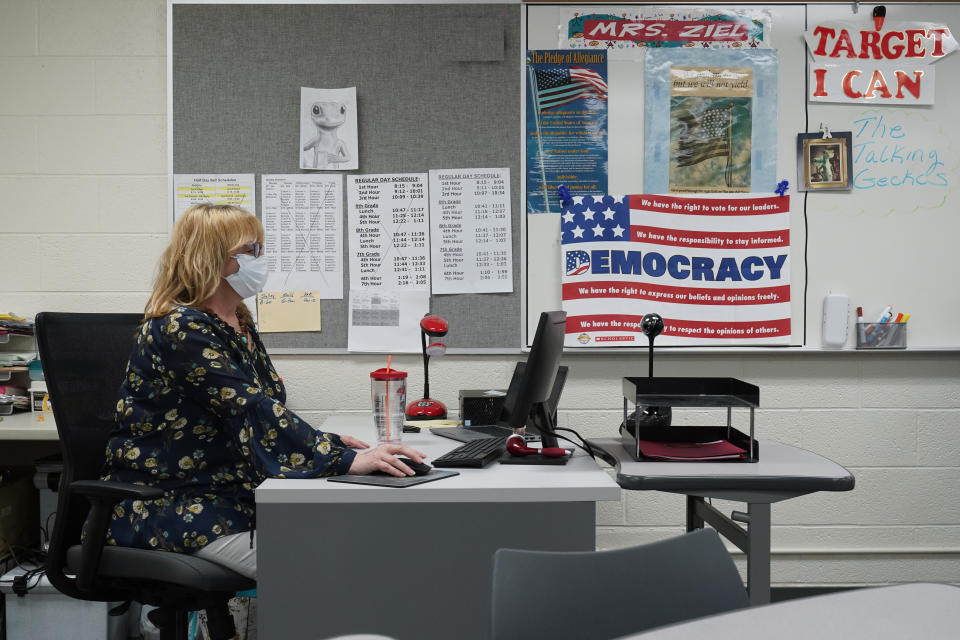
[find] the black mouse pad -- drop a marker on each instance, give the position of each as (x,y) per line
(378,480)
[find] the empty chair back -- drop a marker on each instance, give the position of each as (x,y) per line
(608,594)
(84,358)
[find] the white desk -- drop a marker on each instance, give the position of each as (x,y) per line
(23,439)
(928,611)
(23,425)
(411,563)
(782,472)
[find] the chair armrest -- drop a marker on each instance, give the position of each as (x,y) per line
(114,492)
(103,497)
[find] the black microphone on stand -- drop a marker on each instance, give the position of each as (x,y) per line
(650,416)
(652,326)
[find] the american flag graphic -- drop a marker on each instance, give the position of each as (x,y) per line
(706,135)
(559,85)
(577,262)
(596,219)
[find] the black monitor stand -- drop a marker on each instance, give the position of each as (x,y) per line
(544,423)
(531,403)
(542,418)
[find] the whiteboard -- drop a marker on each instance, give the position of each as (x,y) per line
(876,244)
(893,244)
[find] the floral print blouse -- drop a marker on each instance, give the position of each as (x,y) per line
(202,417)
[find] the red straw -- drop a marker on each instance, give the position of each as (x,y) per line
(388,362)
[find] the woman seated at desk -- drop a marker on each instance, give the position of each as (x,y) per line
(201,411)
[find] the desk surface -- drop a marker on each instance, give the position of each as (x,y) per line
(361,534)
(579,480)
(921,610)
(781,468)
(23,425)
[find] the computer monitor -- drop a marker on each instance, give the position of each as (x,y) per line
(530,402)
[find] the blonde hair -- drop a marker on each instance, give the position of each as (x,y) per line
(190,268)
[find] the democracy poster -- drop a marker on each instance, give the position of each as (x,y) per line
(566,115)
(716,268)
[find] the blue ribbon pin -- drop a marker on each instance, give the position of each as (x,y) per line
(564,194)
(782,187)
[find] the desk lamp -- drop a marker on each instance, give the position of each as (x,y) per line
(426,408)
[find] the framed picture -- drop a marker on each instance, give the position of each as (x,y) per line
(824,163)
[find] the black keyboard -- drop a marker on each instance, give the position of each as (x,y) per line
(476,453)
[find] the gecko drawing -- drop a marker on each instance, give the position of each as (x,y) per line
(327,147)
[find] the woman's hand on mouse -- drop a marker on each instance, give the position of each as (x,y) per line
(354,443)
(383,458)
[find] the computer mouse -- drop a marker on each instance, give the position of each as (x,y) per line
(419,468)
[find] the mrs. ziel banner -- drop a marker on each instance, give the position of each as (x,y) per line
(717,268)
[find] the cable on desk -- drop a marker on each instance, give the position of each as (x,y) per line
(45,533)
(582,444)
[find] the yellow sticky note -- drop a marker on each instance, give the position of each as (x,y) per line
(284,311)
(433,424)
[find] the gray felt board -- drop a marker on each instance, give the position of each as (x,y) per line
(438,87)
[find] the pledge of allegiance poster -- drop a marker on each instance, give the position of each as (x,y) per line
(717,269)
(566,126)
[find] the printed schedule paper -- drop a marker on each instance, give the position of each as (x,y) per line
(237,189)
(386,321)
(302,218)
(470,231)
(387,214)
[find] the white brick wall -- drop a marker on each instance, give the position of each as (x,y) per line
(18,28)
(82,151)
(83,198)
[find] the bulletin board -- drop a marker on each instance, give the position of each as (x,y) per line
(887,241)
(438,87)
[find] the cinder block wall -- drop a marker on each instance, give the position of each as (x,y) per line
(83,216)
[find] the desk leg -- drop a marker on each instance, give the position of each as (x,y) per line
(694,521)
(754,541)
(758,553)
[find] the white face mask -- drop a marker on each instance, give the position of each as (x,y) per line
(250,277)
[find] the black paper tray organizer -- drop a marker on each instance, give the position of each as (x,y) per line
(692,392)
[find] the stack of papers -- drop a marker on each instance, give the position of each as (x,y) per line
(20,402)
(690,451)
(15,360)
(12,323)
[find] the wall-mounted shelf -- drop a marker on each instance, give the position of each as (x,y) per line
(5,337)
(7,372)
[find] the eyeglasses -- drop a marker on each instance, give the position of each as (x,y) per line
(254,249)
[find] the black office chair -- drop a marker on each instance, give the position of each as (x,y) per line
(84,357)
(609,594)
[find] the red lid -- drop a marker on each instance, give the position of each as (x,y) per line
(434,325)
(392,374)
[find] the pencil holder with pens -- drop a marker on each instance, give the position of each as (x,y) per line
(881,335)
